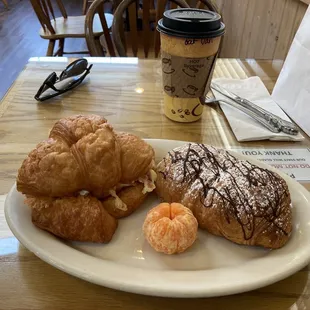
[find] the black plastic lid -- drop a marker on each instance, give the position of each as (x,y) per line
(191,23)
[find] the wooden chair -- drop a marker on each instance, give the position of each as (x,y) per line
(5,2)
(86,3)
(211,6)
(152,11)
(58,29)
(207,4)
(149,38)
(93,43)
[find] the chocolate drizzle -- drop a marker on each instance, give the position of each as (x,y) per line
(252,195)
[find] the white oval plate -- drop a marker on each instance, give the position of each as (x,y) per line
(212,267)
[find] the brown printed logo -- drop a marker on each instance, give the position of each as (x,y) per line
(190,90)
(190,71)
(169,88)
(166,62)
(183,113)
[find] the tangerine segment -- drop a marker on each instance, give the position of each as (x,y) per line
(170,228)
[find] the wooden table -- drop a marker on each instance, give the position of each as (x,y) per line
(128,93)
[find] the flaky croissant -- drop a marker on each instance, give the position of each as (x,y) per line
(81,218)
(83,153)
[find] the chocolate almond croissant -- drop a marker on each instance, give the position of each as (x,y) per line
(84,156)
(229,197)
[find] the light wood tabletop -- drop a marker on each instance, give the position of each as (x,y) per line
(128,93)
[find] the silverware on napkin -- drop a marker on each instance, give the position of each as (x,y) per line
(273,122)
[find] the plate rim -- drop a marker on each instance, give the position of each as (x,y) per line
(175,290)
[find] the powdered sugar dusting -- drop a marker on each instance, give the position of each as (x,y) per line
(242,189)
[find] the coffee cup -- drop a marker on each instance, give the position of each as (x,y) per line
(190,40)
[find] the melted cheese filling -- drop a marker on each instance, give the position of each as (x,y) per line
(149,185)
(149,181)
(119,204)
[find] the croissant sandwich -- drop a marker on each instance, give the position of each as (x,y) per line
(84,177)
(229,197)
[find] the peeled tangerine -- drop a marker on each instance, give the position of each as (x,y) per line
(170,228)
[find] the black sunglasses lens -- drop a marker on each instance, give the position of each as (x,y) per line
(75,68)
(78,80)
(52,78)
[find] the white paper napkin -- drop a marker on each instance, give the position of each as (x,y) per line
(243,126)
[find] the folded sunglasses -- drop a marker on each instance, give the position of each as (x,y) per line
(71,77)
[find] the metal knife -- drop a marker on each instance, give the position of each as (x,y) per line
(273,120)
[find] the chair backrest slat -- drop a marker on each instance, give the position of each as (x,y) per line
(200,5)
(207,4)
(147,4)
(161,5)
(44,11)
(62,9)
(133,32)
(173,5)
(43,18)
(38,12)
(106,31)
(51,8)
